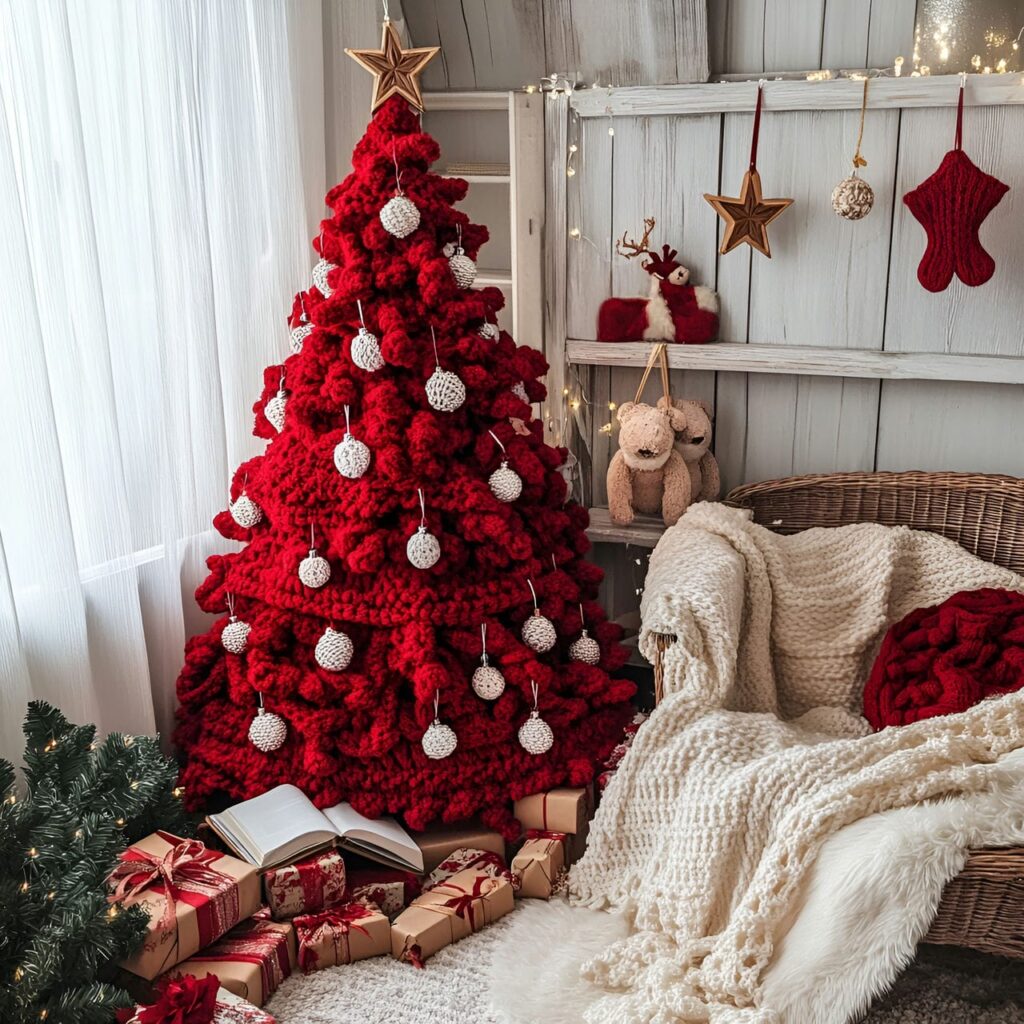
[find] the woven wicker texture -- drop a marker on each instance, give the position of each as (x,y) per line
(983,907)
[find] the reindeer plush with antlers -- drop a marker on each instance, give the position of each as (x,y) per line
(674,309)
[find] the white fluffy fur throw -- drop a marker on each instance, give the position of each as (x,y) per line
(757,754)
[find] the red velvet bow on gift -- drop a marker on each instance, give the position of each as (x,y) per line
(138,870)
(184,1000)
(327,927)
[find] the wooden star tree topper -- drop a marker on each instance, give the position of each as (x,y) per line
(394,70)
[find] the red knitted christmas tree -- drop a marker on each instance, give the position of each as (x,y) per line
(395,638)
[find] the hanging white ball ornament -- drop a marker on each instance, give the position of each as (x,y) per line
(245,512)
(298,336)
(586,649)
(400,216)
(320,272)
(274,410)
(488,682)
(423,549)
(314,571)
(506,484)
(853,198)
(445,392)
(489,331)
(535,735)
(539,633)
(462,267)
(519,390)
(439,740)
(267,731)
(334,650)
(235,635)
(366,351)
(351,457)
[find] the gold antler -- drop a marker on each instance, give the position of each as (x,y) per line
(638,248)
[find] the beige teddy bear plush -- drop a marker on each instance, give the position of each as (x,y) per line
(647,474)
(692,443)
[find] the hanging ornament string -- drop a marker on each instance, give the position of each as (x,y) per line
(230,603)
(348,424)
(433,340)
(529,583)
(497,441)
(858,160)
(437,702)
(483,637)
(757,126)
(423,507)
(398,171)
(359,306)
(583,621)
(536,692)
(958,144)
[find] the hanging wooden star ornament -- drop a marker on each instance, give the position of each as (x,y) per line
(394,70)
(748,215)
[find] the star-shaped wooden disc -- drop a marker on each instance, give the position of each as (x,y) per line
(747,215)
(395,70)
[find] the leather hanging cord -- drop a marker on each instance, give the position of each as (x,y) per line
(960,114)
(659,354)
(757,130)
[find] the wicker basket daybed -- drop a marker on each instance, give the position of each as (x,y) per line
(983,907)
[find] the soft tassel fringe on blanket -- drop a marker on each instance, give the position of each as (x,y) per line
(758,754)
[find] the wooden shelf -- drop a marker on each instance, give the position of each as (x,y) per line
(465,101)
(482,179)
(644,531)
(786,94)
(806,360)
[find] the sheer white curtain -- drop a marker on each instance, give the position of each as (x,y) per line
(161,173)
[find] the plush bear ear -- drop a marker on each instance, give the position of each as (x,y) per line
(626,410)
(676,415)
(705,405)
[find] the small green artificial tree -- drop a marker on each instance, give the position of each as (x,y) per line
(86,802)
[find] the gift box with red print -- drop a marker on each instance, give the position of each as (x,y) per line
(192,894)
(389,889)
(191,1000)
(484,861)
(307,886)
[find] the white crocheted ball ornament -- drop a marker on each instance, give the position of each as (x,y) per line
(366,351)
(539,633)
(488,682)
(268,731)
(235,635)
(586,649)
(445,392)
(351,457)
(334,650)
(463,268)
(320,272)
(505,483)
(245,512)
(400,216)
(439,740)
(489,331)
(519,390)
(535,735)
(314,571)
(274,410)
(423,549)
(853,198)
(298,336)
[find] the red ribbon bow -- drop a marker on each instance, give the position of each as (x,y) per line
(329,926)
(542,833)
(184,1000)
(138,870)
(462,902)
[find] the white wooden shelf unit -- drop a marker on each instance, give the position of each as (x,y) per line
(521,281)
(781,358)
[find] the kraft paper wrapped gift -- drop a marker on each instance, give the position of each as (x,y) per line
(540,862)
(341,935)
(227,1008)
(311,884)
(250,961)
(450,911)
(192,894)
(437,844)
(557,810)
(482,861)
(390,889)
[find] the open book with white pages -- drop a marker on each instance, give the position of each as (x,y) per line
(282,825)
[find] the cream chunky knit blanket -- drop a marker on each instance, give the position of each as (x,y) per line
(758,752)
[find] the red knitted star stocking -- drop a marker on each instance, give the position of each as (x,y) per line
(951,205)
